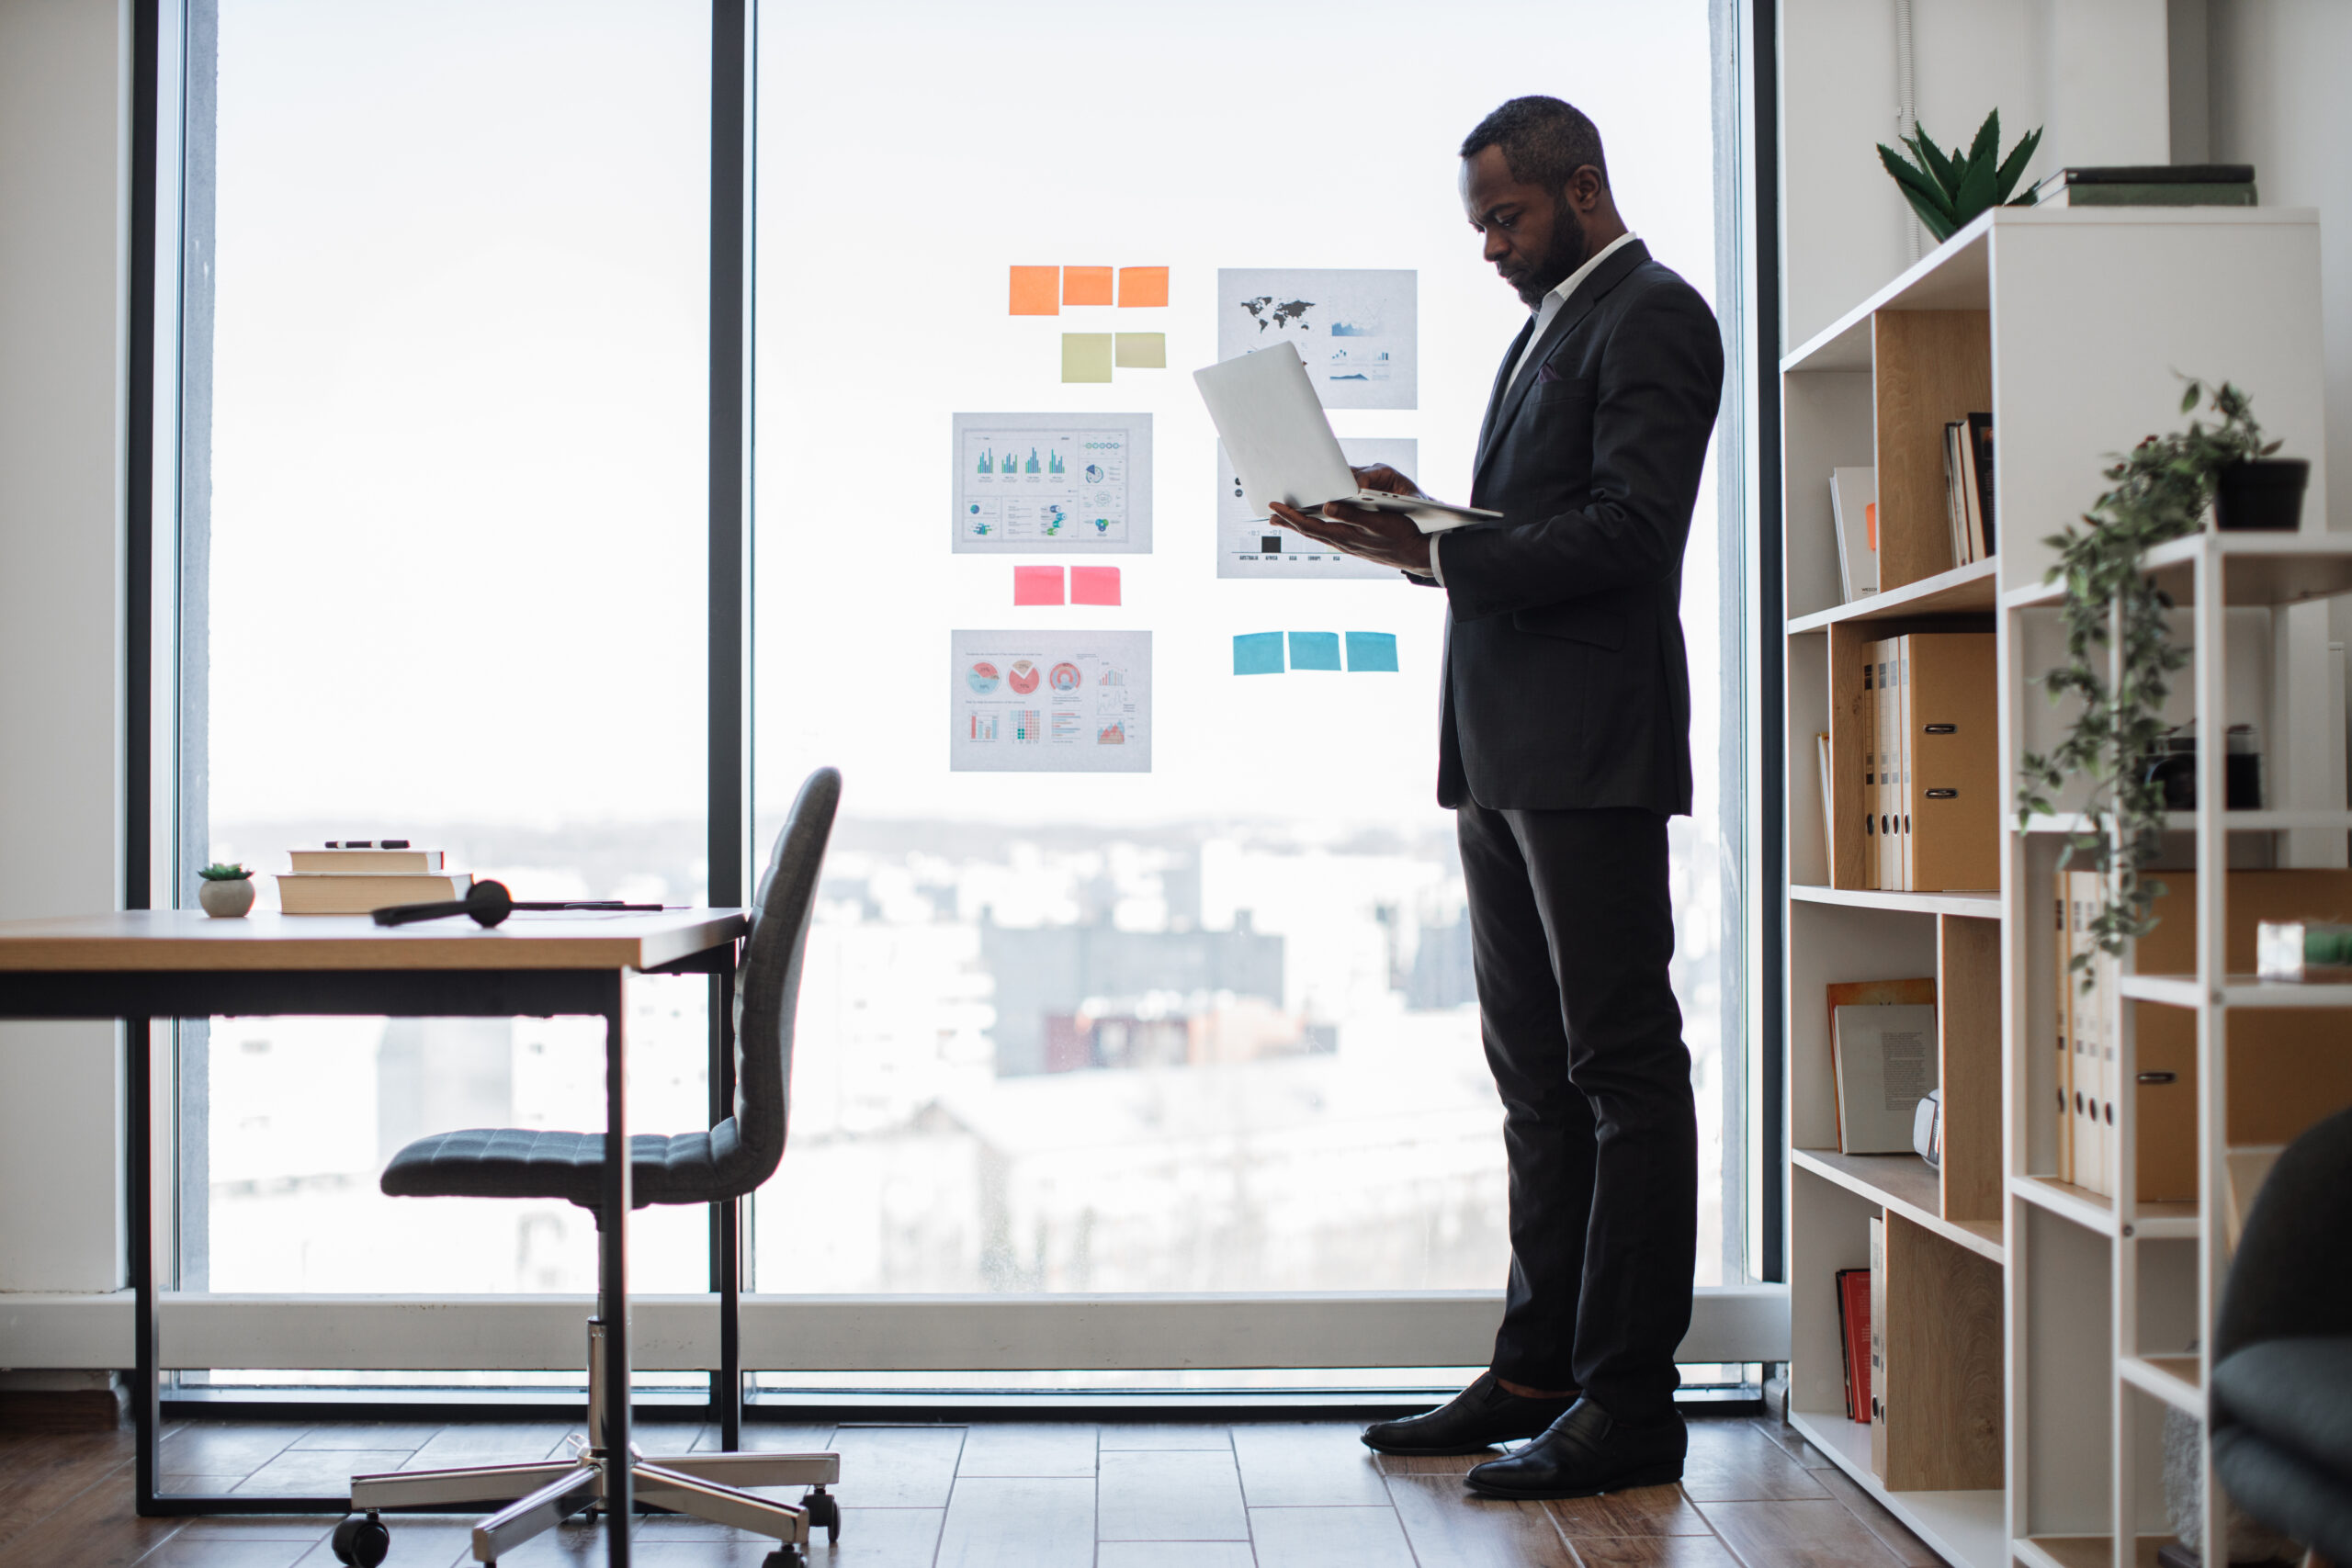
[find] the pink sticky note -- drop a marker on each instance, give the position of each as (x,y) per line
(1037,584)
(1094,585)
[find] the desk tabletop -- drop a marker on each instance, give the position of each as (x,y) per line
(189,940)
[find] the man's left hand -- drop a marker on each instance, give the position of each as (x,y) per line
(1385,538)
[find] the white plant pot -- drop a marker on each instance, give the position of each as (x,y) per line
(226,900)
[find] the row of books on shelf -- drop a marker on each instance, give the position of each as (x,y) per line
(2287,1065)
(1968,507)
(1922,777)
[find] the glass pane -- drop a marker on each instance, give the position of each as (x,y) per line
(457,581)
(1207,1027)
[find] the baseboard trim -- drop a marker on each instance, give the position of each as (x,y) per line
(44,1410)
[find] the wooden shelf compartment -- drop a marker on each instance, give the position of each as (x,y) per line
(1964,590)
(2257,570)
(1905,1185)
(2083,1550)
(1979,906)
(2095,1212)
(1960,1527)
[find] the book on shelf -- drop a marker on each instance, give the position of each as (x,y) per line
(1921,992)
(1829,812)
(2085,970)
(367,863)
(1947,763)
(1877,1364)
(336,893)
(2065,1022)
(1854,1341)
(1866,722)
(1853,515)
(1885,1064)
(1968,488)
(2150,184)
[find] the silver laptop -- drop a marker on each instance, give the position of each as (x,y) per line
(1281,442)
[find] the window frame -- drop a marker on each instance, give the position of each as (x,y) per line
(167,474)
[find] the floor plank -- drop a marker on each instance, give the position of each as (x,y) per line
(1790,1442)
(219,1448)
(1295,1464)
(1645,1511)
(1330,1537)
(378,1435)
(318,1472)
(1165,1435)
(1018,1522)
(1450,1527)
(1431,1464)
(1029,1448)
(1897,1536)
(184,1552)
(490,1442)
(1174,1554)
(45,1471)
(1660,1551)
(783,1437)
(1817,1534)
(1172,1494)
(418,1542)
(897,1467)
(1731,1462)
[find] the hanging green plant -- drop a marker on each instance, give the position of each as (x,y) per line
(1946,192)
(2161,490)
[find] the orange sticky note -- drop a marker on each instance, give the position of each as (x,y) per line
(1086,286)
(1143,286)
(1094,585)
(1037,585)
(1037,291)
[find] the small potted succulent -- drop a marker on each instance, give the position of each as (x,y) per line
(228,891)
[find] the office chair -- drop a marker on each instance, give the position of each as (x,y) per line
(2282,1382)
(727,1161)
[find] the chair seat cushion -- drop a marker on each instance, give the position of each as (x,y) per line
(2297,1393)
(522,1162)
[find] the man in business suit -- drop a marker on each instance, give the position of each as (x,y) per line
(1563,746)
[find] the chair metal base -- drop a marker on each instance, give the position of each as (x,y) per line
(540,1495)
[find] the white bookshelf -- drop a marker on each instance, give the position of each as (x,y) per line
(2069,327)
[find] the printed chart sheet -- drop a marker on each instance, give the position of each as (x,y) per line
(1355,329)
(1249,546)
(1037,483)
(1049,702)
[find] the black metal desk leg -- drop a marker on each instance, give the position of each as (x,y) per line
(612,1288)
(139,1175)
(725,1228)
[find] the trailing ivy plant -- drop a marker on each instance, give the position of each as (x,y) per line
(1946,192)
(2160,490)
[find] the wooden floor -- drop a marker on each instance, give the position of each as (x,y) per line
(1261,1494)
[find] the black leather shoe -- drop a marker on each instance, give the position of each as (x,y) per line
(1479,1417)
(1585,1453)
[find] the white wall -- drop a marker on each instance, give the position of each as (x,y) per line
(2093,74)
(2276,97)
(63,276)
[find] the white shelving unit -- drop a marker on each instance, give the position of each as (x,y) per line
(2047,1330)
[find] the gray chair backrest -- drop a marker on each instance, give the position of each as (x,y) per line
(767,985)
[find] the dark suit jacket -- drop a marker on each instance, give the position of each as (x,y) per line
(1565,683)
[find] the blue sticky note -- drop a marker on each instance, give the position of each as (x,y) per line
(1258,653)
(1315,651)
(1372,651)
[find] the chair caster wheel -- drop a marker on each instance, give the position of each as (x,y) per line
(365,1542)
(824,1510)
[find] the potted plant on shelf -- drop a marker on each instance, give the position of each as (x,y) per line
(228,891)
(2162,488)
(1946,192)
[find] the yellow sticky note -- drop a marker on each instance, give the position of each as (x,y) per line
(1086,286)
(1143,286)
(1142,351)
(1086,357)
(1037,291)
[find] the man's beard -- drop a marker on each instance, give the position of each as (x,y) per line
(1566,254)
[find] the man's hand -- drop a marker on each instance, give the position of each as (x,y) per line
(1385,538)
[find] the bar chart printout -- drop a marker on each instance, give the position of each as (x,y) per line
(1049,702)
(1027,483)
(1249,546)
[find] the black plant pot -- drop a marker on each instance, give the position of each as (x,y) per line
(2263,494)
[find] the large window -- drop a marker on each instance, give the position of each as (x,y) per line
(1207,1027)
(454,284)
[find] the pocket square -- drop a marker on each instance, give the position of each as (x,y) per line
(1547,373)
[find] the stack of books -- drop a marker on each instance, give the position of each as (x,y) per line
(2150,184)
(1968,488)
(1931,774)
(360,876)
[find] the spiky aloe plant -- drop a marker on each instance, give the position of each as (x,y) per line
(1946,192)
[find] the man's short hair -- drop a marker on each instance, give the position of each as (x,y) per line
(1546,141)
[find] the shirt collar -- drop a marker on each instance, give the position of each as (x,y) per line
(1550,304)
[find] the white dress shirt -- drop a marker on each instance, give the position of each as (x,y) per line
(1547,309)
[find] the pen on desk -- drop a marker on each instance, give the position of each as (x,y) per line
(581,904)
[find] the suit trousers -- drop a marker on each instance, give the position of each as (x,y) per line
(1572,928)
